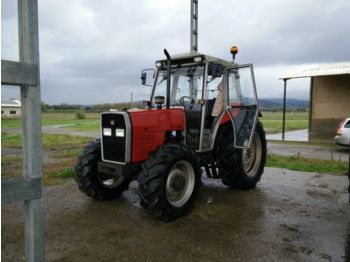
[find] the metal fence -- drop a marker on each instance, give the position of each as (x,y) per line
(26,74)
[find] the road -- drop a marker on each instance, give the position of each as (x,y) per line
(290,216)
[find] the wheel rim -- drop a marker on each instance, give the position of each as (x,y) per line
(180,183)
(109,181)
(251,157)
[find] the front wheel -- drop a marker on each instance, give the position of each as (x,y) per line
(94,184)
(169,181)
(241,168)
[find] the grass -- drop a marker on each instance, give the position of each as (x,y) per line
(298,163)
(64,149)
(54,173)
(272,121)
(86,126)
(11,160)
(11,140)
(60,154)
(49,141)
(67,153)
(49,119)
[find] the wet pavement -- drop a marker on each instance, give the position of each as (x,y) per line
(290,216)
(296,135)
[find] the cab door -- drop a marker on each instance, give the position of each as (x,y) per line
(242,103)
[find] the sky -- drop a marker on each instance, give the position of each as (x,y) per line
(93,51)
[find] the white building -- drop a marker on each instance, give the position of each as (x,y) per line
(10,107)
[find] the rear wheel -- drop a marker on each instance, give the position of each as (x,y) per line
(94,184)
(169,181)
(241,168)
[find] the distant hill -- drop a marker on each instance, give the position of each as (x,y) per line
(267,103)
(274,103)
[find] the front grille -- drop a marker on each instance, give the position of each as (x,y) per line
(114,148)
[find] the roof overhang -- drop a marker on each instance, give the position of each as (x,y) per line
(8,105)
(318,70)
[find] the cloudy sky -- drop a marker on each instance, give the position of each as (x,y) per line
(93,51)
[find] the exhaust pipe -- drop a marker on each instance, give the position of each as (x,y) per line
(168,78)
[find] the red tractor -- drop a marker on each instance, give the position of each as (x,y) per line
(202,115)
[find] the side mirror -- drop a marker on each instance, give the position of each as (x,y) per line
(147,74)
(143,78)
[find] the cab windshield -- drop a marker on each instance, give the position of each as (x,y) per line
(186,84)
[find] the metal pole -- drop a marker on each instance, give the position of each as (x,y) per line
(284,109)
(349,171)
(194,26)
(31,128)
(168,59)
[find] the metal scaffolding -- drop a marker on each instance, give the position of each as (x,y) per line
(26,74)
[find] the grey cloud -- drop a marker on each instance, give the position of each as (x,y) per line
(93,51)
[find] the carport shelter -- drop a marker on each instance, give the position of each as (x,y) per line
(329,98)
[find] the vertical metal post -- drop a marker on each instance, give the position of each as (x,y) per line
(349,171)
(31,126)
(310,109)
(284,109)
(194,26)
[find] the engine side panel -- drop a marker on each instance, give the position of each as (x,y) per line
(149,128)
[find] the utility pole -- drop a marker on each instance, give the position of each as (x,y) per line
(131,100)
(194,26)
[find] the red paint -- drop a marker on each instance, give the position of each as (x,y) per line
(225,119)
(234,110)
(149,127)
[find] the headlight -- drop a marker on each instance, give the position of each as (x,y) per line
(107,131)
(119,133)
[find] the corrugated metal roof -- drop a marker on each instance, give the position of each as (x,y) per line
(11,102)
(319,70)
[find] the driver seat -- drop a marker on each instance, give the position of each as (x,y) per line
(219,101)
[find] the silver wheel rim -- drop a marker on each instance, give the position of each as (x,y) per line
(251,157)
(181,171)
(110,181)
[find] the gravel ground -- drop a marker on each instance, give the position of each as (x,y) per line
(290,216)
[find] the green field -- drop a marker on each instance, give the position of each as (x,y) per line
(48,119)
(272,121)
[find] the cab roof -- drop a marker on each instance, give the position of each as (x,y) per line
(189,57)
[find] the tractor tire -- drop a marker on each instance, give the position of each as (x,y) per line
(168,181)
(96,185)
(240,168)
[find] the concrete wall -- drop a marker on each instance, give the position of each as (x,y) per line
(330,103)
(6,111)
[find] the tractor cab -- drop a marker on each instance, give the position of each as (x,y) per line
(211,91)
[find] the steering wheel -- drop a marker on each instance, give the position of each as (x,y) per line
(182,100)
